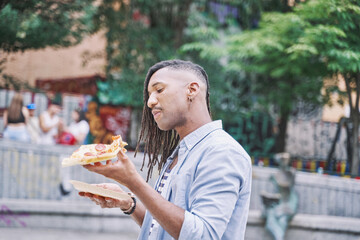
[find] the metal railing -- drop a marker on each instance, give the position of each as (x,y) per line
(34,172)
(318,194)
(30,171)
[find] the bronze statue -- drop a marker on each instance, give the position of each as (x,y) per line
(280,206)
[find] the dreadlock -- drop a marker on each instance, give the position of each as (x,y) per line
(159,142)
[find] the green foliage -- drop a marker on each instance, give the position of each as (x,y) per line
(286,68)
(142,33)
(335,33)
(231,91)
(286,59)
(254,131)
(139,34)
(38,24)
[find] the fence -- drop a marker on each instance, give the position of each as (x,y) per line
(29,171)
(34,172)
(318,194)
(312,139)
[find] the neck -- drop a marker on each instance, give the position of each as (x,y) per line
(192,124)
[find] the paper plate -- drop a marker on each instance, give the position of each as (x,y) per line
(85,187)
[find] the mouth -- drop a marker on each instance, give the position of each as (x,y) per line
(156,113)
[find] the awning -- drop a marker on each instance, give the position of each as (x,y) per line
(77,85)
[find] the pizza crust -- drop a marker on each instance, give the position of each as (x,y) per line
(67,162)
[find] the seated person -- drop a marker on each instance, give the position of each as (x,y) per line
(77,131)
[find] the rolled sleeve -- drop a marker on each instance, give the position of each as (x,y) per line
(192,227)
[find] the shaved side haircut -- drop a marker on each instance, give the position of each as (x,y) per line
(159,142)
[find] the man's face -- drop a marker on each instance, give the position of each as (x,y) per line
(168,97)
(55,109)
(75,116)
(32,112)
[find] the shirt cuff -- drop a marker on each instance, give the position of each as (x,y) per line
(192,227)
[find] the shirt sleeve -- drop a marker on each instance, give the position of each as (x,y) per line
(214,192)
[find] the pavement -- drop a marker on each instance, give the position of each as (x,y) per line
(59,234)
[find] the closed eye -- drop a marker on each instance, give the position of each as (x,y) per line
(159,90)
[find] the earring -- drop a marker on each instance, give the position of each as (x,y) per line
(190,99)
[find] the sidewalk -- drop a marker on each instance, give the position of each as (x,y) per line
(57,234)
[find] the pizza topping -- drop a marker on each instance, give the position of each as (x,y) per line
(100,147)
(116,137)
(89,154)
(114,146)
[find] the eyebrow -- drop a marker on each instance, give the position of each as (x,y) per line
(155,84)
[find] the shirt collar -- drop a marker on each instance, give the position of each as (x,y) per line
(174,153)
(196,136)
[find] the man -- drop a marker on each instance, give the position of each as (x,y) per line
(33,124)
(50,123)
(203,190)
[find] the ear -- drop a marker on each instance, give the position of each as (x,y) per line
(193,89)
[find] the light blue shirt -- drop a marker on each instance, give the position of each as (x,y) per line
(211,182)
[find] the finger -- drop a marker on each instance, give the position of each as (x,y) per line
(109,203)
(87,166)
(97,164)
(121,154)
(104,205)
(100,198)
(94,200)
(90,195)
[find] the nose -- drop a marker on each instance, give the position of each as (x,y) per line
(152,101)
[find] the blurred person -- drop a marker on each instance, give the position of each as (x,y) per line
(203,190)
(50,123)
(77,131)
(15,118)
(33,124)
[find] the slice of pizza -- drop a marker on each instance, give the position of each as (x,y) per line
(91,153)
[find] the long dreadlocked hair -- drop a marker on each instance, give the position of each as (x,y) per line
(159,142)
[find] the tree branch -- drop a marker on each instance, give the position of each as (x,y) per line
(3,4)
(357,86)
(348,91)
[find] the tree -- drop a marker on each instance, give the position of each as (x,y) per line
(139,33)
(280,76)
(38,24)
(232,93)
(334,33)
(291,51)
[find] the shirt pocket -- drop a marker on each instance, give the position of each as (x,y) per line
(180,188)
